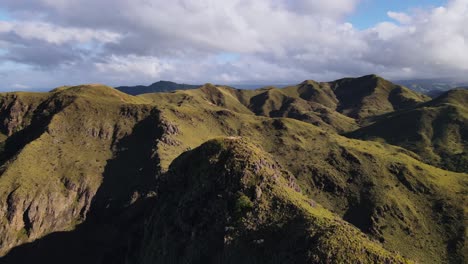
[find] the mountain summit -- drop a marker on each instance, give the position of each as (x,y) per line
(161,86)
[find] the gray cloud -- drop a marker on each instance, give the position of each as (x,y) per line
(140,41)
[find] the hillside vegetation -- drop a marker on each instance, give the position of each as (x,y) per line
(436,130)
(221,175)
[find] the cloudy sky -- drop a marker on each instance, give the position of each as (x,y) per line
(48,43)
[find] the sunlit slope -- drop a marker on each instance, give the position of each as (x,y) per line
(78,152)
(384,190)
(436,130)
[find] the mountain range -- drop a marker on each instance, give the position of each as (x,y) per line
(357,170)
(429,87)
(433,87)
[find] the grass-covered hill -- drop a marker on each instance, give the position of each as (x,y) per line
(436,130)
(339,105)
(93,175)
(230,202)
(372,95)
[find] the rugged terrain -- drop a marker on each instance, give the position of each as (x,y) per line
(436,130)
(221,174)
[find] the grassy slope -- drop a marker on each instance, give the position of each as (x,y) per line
(371,95)
(270,102)
(55,165)
(436,130)
(385,191)
(228,201)
(338,105)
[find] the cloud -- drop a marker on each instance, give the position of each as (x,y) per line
(431,43)
(37,30)
(139,41)
(401,17)
(123,66)
(20,86)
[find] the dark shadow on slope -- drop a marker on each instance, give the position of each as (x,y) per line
(133,171)
(90,243)
(359,213)
(115,221)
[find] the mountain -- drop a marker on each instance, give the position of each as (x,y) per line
(372,95)
(337,102)
(259,209)
(436,93)
(161,86)
(93,175)
(338,105)
(436,130)
(432,87)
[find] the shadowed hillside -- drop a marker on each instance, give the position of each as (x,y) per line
(229,202)
(372,95)
(436,130)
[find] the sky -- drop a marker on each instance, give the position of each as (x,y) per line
(49,43)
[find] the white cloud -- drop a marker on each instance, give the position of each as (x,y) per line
(37,30)
(5,26)
(20,86)
(401,17)
(276,40)
(124,66)
(432,43)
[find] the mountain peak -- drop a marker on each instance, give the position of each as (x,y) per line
(162,82)
(232,196)
(160,86)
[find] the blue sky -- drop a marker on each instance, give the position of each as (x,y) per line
(370,12)
(49,43)
(4,15)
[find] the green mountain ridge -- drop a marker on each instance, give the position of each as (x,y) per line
(432,87)
(258,209)
(89,167)
(436,130)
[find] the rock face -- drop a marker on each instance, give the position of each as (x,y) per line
(30,216)
(54,166)
(92,175)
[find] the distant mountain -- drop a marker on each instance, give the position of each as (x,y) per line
(157,87)
(432,87)
(257,86)
(436,93)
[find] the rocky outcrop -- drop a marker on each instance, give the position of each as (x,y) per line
(16,113)
(29,216)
